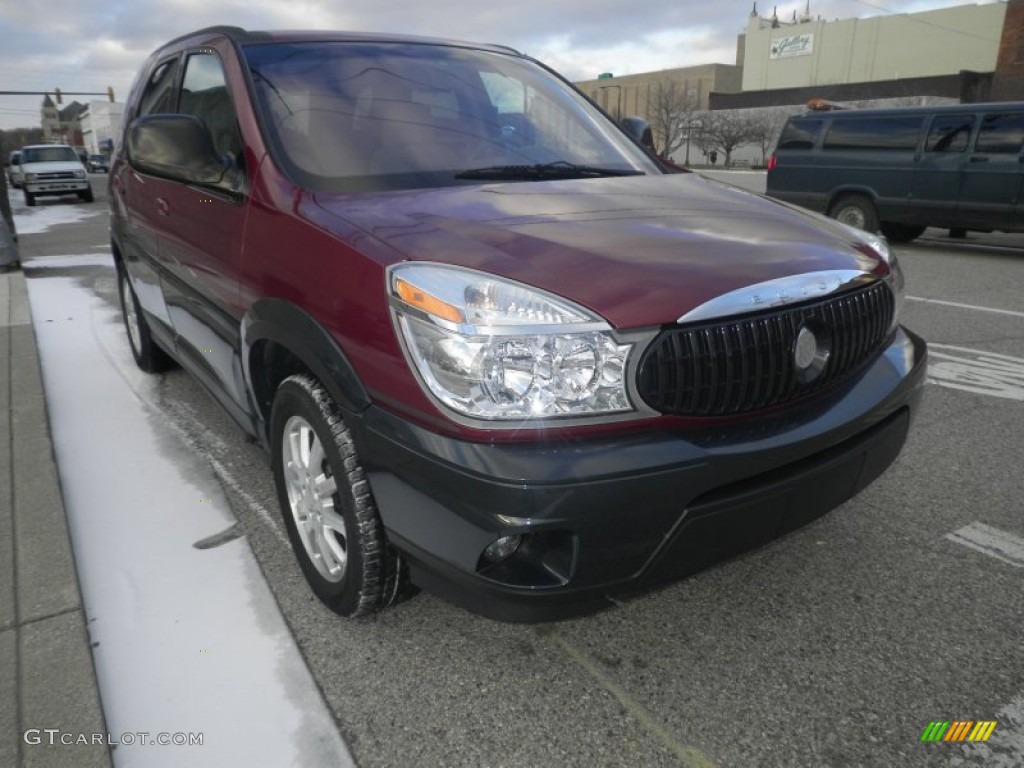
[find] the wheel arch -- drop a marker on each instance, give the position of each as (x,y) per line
(279,339)
(839,193)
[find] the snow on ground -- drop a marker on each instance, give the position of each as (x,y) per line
(50,212)
(186,640)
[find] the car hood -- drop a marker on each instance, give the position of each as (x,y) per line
(60,166)
(640,251)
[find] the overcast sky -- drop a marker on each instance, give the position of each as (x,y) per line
(86,46)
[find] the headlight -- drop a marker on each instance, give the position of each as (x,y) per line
(489,348)
(30,177)
(79,174)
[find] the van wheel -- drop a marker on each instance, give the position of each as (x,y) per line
(87,195)
(901,233)
(148,356)
(328,509)
(30,199)
(856,211)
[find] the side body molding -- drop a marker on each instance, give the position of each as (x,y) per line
(275,324)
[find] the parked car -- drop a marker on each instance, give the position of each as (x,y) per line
(900,170)
(98,163)
(492,349)
(14,174)
(53,169)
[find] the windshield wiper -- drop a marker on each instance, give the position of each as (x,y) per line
(559,169)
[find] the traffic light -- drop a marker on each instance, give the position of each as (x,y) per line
(56,94)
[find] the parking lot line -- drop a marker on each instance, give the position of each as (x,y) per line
(991,541)
(958,305)
(688,756)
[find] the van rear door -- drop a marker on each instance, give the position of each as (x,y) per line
(990,197)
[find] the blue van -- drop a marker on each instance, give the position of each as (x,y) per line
(898,171)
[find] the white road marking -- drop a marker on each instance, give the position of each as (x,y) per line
(958,305)
(991,541)
(1005,748)
(977,371)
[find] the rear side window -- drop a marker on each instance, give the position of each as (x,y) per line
(950,134)
(1001,134)
(799,133)
(885,133)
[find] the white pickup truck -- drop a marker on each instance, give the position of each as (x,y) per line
(53,169)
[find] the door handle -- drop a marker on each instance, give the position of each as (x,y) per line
(978,159)
(162,207)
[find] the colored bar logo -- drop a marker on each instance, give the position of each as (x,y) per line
(958,730)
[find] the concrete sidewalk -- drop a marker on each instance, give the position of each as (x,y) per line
(47,679)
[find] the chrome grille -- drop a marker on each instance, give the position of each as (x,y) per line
(55,175)
(738,365)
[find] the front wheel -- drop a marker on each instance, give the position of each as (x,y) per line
(148,356)
(30,199)
(856,211)
(87,195)
(328,509)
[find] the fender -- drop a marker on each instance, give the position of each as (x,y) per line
(285,324)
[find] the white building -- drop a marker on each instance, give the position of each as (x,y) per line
(806,51)
(101,125)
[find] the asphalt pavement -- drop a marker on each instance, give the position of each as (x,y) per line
(834,646)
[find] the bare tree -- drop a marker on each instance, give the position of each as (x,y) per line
(16,138)
(765,127)
(725,132)
(671,112)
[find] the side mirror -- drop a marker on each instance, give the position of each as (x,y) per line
(177,147)
(639,130)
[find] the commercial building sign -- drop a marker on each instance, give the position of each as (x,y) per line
(794,45)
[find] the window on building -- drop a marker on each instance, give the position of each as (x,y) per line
(799,133)
(950,134)
(884,133)
(1001,134)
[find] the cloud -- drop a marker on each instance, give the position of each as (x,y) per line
(87,46)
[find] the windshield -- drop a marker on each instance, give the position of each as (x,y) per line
(390,116)
(47,155)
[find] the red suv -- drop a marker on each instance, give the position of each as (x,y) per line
(492,348)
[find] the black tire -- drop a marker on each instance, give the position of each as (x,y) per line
(901,233)
(30,199)
(857,211)
(355,571)
(87,196)
(958,233)
(148,355)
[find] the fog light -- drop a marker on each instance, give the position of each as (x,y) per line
(502,548)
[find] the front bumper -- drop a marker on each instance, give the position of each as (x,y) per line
(615,515)
(62,187)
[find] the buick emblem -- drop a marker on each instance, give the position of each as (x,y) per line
(811,352)
(806,349)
